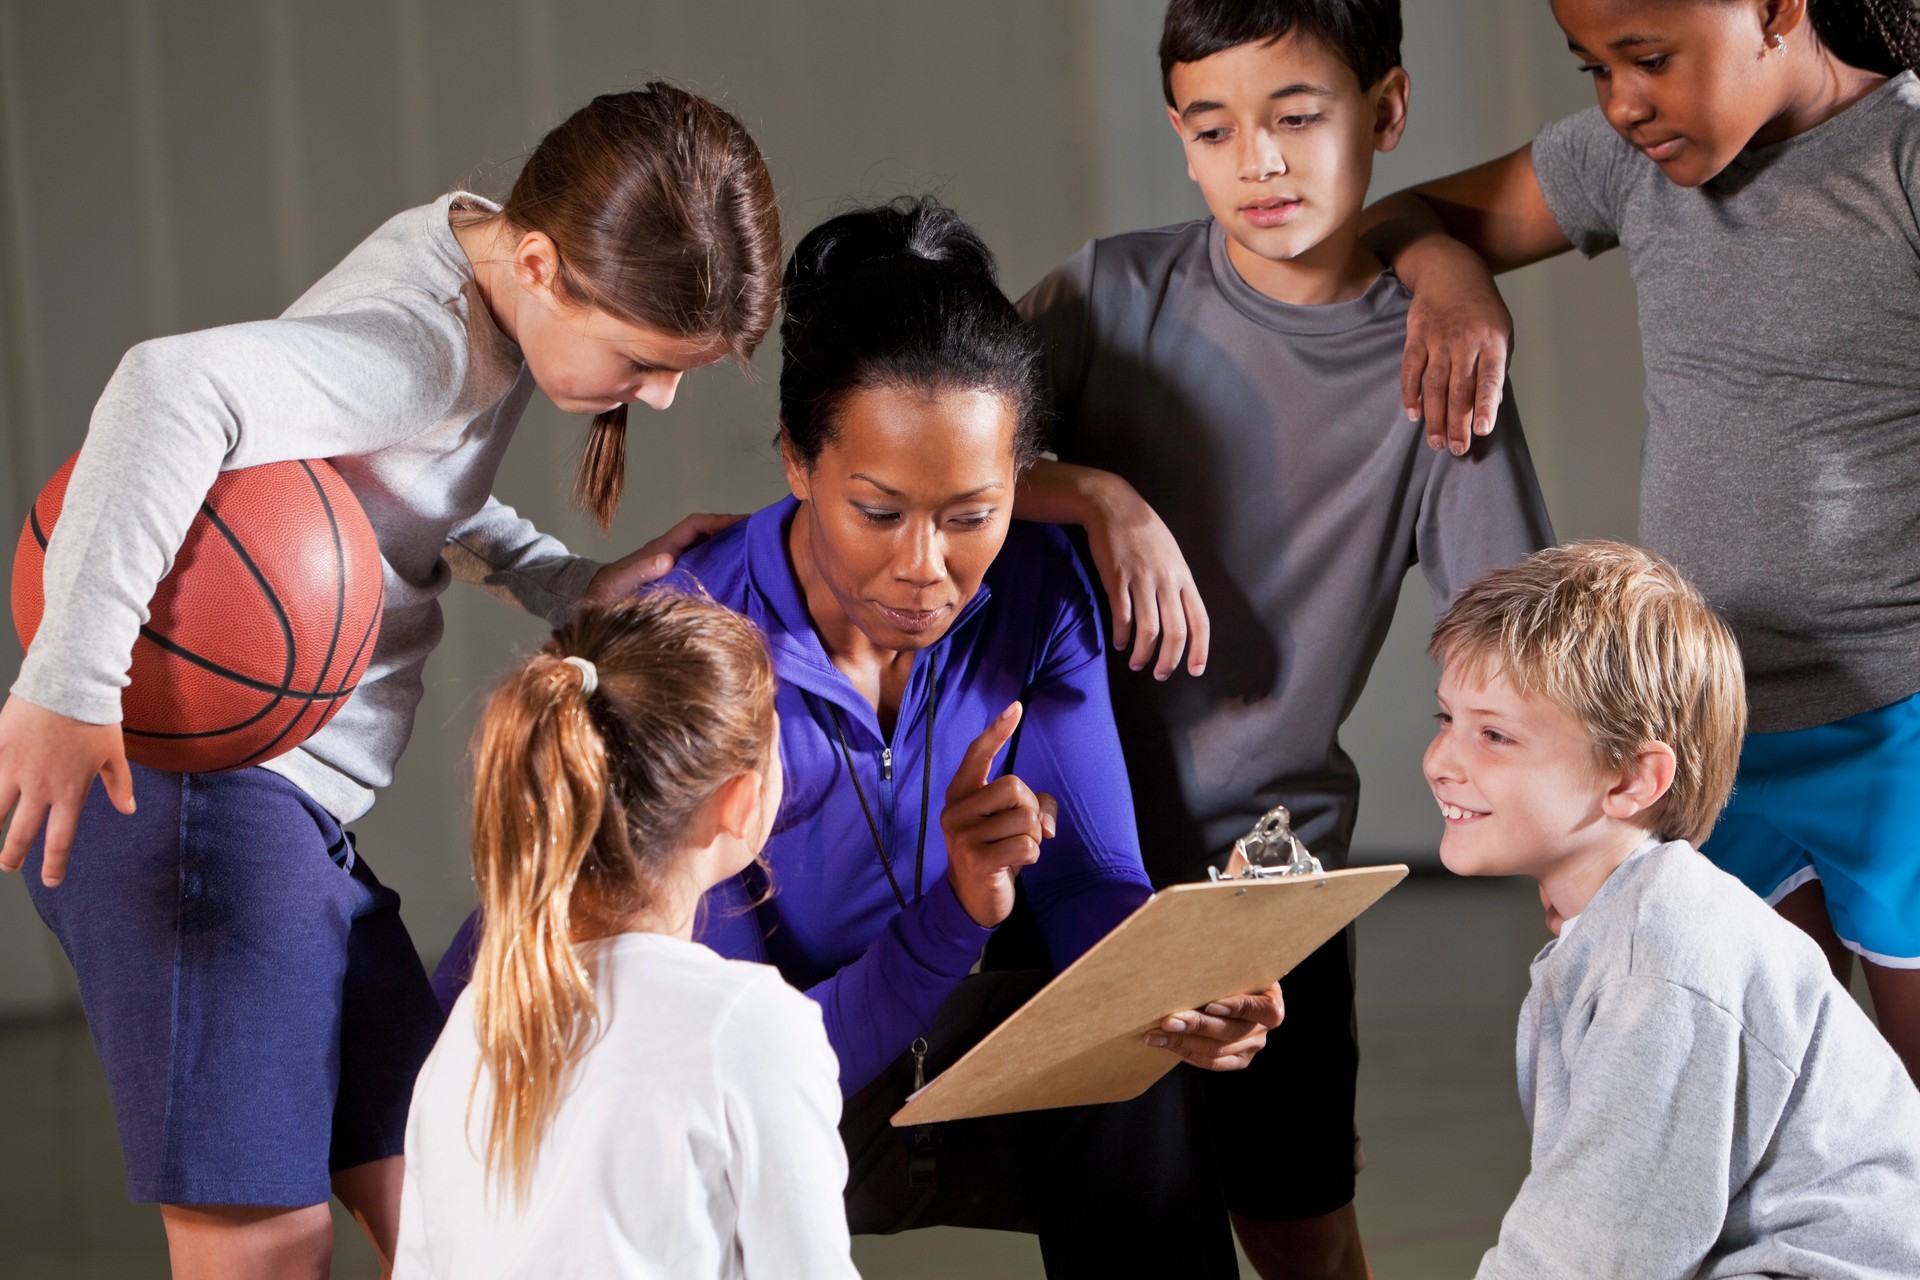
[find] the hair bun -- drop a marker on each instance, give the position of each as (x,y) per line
(897,234)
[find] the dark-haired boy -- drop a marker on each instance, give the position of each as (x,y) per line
(1241,373)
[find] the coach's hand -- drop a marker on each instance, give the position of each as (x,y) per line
(1226,1034)
(623,579)
(47,765)
(993,826)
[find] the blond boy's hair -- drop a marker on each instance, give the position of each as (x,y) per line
(1615,637)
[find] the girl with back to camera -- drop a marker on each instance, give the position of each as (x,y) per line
(1758,161)
(257,1005)
(611,1098)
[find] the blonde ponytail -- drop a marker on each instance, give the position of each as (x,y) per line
(581,799)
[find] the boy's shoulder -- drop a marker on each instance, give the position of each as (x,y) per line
(1670,915)
(1136,294)
(1150,246)
(1192,256)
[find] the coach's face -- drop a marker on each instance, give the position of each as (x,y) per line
(903,510)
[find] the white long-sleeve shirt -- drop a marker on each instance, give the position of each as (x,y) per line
(391,367)
(1705,1099)
(697,1139)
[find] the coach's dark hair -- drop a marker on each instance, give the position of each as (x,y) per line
(1874,35)
(903,295)
(1365,33)
(661,210)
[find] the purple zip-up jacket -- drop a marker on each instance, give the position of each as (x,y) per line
(833,926)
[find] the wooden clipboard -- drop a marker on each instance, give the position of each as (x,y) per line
(1078,1041)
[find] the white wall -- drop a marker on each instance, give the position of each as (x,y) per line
(166,166)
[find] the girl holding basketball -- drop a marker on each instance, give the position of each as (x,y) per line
(259,1009)
(618,775)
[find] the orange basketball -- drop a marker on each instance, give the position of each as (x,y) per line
(261,630)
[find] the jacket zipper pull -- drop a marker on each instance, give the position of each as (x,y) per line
(886,764)
(923,1164)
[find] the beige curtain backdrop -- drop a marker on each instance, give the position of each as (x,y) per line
(173,164)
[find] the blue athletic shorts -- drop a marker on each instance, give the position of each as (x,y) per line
(1838,803)
(256,1002)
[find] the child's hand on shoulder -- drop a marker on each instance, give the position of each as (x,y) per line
(623,579)
(47,765)
(1148,584)
(1459,339)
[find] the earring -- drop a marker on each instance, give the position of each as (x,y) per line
(1776,43)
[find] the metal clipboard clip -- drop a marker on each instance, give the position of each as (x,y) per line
(1269,852)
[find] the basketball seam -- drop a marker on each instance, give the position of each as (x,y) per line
(340,605)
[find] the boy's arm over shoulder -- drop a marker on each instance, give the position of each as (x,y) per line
(1481,511)
(1648,1111)
(1155,604)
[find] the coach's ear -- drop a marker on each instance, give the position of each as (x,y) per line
(1643,779)
(799,474)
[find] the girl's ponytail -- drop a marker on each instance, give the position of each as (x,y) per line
(584,790)
(540,788)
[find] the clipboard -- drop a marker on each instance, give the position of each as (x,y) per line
(1079,1040)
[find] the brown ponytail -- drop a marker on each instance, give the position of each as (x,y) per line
(662,212)
(581,804)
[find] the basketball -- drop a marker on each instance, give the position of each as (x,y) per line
(258,634)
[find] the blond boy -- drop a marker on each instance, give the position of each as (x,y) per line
(1704,1098)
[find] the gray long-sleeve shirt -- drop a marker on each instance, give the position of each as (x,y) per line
(1272,441)
(1705,1099)
(390,367)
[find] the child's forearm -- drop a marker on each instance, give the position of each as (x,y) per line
(1494,213)
(1398,223)
(1062,493)
(1149,587)
(1409,234)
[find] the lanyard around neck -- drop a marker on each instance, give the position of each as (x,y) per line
(926,787)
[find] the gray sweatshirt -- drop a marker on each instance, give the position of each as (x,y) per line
(390,367)
(1705,1099)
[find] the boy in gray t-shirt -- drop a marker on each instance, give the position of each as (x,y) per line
(1705,1100)
(1242,373)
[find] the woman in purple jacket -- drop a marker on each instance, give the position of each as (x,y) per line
(945,727)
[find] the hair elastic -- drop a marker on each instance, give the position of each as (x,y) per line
(589,675)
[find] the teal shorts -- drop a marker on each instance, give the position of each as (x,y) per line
(1838,803)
